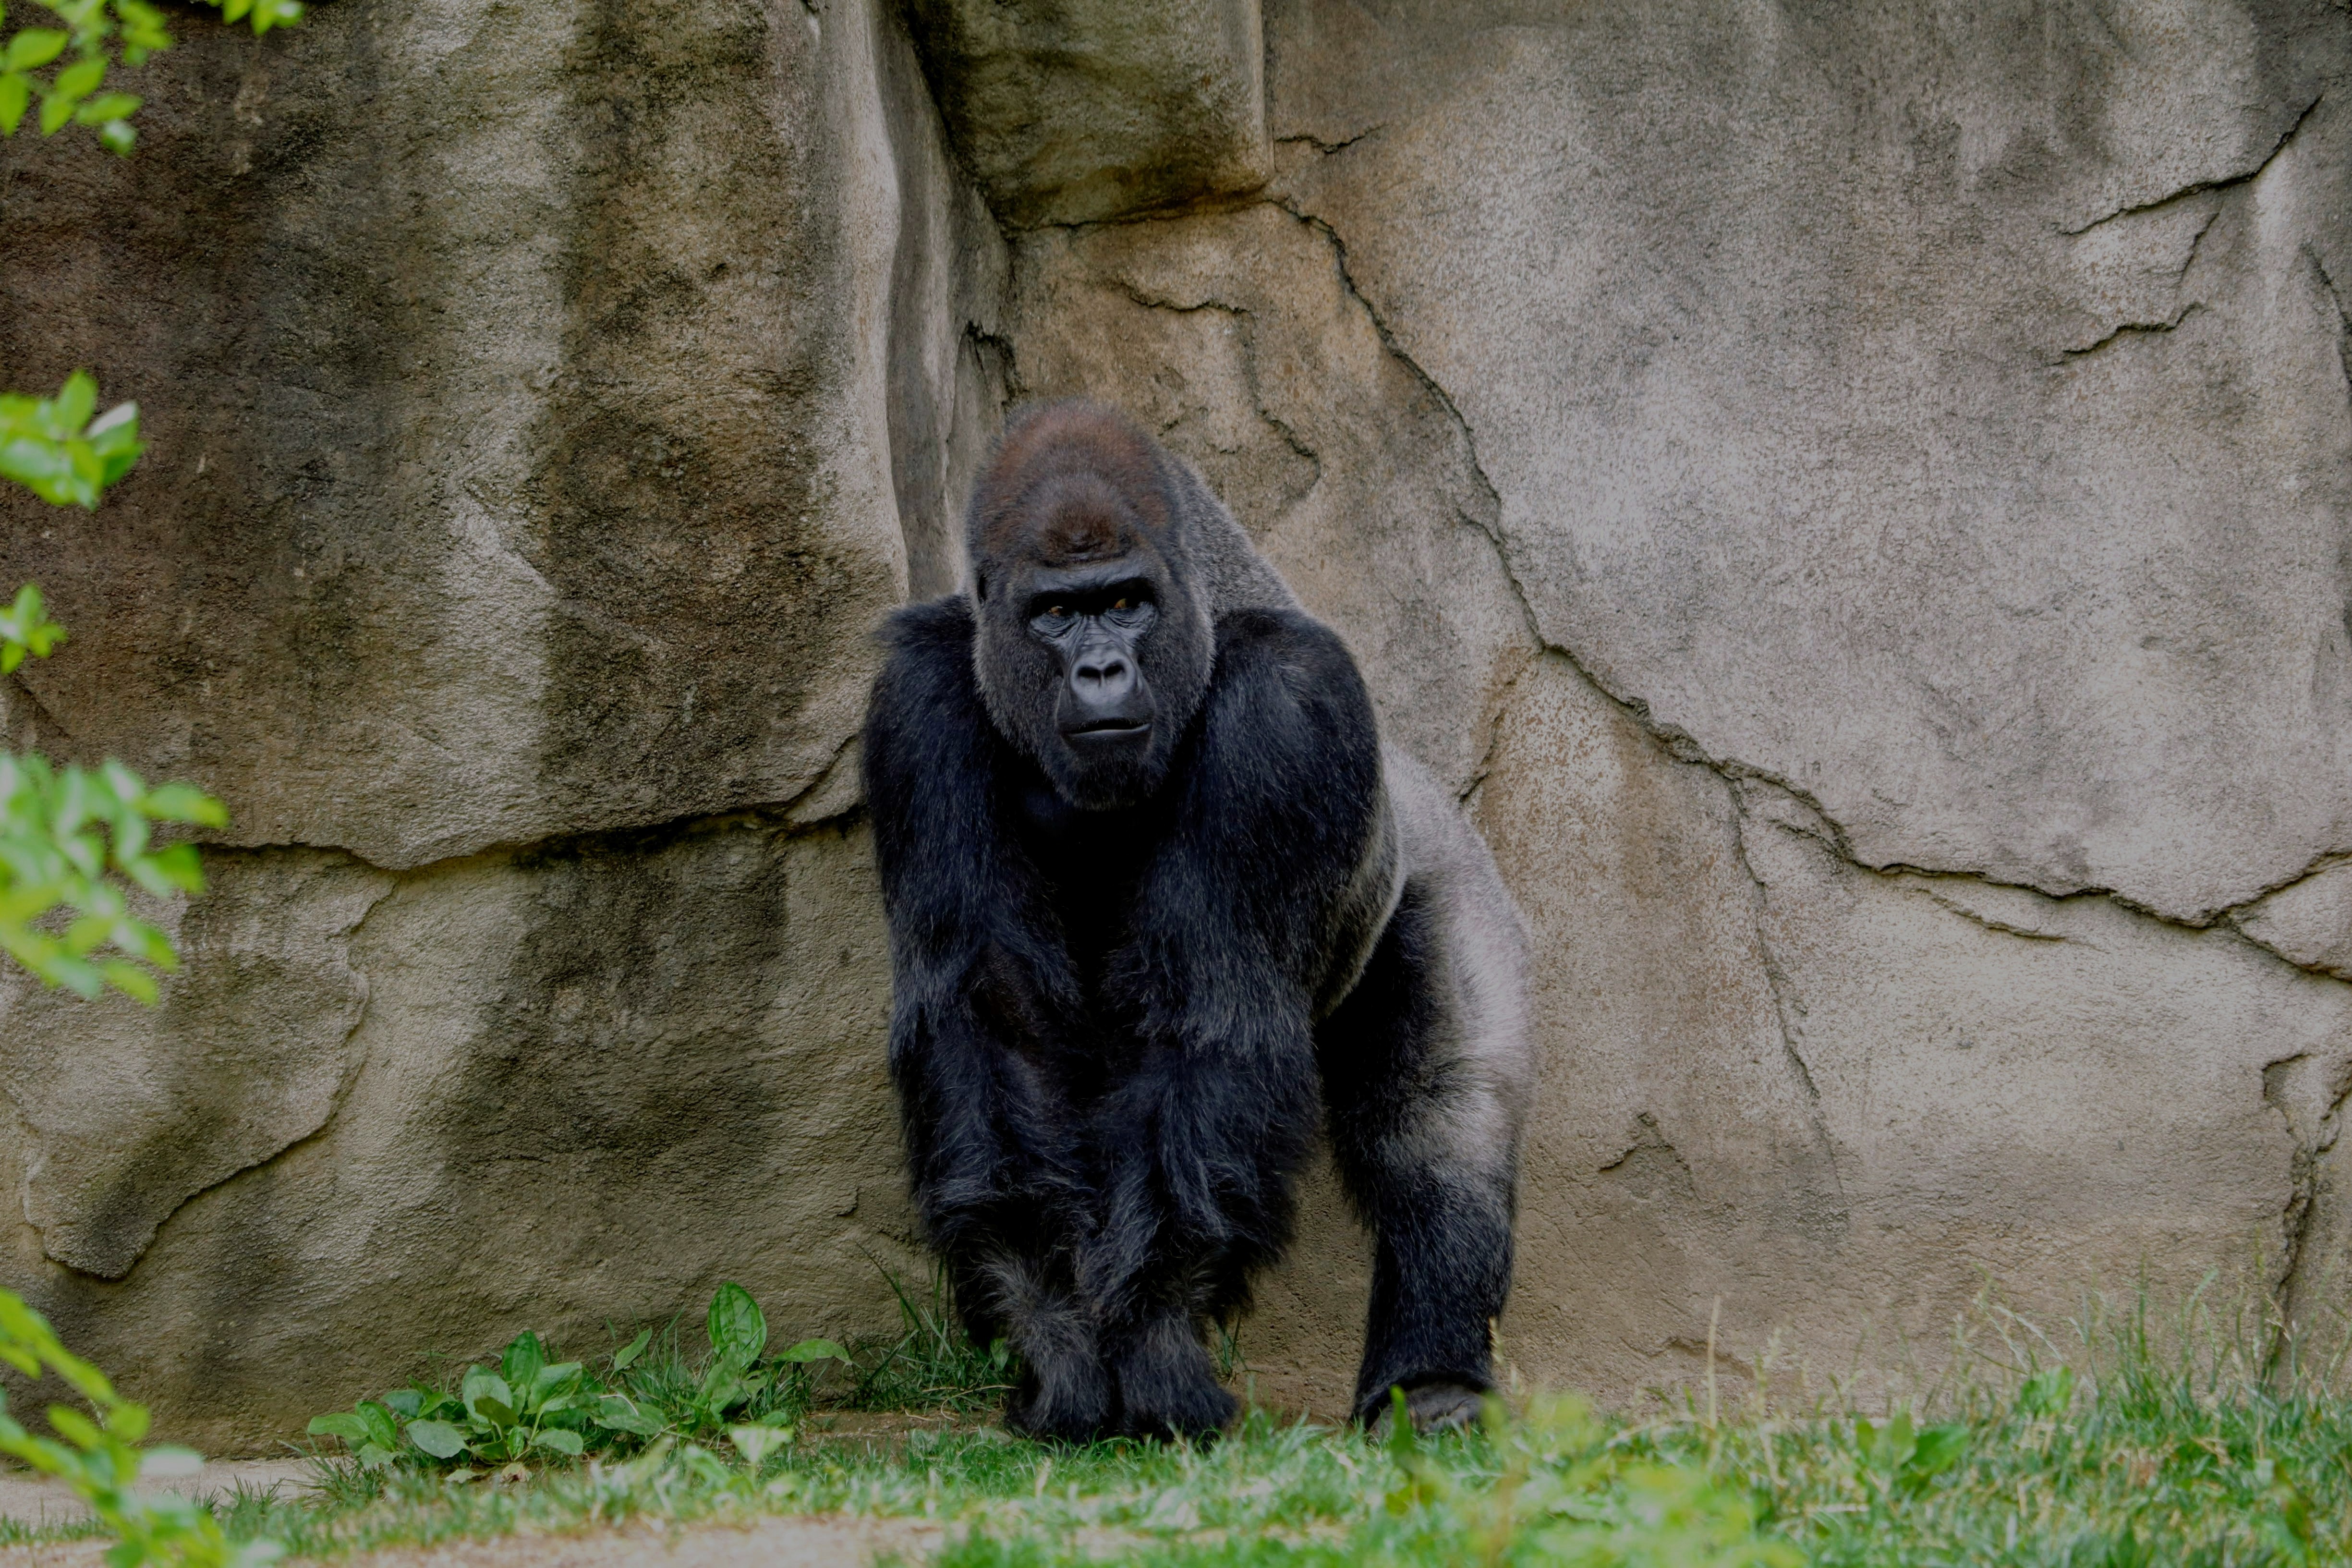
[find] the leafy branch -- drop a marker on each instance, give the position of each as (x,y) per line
(57,448)
(98,35)
(75,839)
(100,1458)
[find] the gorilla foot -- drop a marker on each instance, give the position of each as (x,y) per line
(1433,1408)
(1064,1401)
(1166,1386)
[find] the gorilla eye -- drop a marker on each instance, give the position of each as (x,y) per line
(1119,603)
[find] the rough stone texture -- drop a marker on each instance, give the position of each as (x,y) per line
(127,1112)
(1911,457)
(1857,499)
(2308,921)
(519,382)
(594,1079)
(545,401)
(1074,111)
(1865,402)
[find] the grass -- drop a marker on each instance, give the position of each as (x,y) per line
(2120,1443)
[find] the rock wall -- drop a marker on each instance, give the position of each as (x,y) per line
(545,402)
(1860,502)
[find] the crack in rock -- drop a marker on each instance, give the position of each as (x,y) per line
(1246,319)
(2200,188)
(2343,312)
(2285,1086)
(1327,148)
(2134,329)
(1977,917)
(1679,743)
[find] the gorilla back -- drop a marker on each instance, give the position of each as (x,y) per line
(1160,903)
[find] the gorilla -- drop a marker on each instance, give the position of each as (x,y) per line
(1161,905)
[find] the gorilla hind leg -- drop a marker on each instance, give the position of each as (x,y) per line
(1065,1393)
(1424,1075)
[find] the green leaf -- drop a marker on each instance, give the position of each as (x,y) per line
(560,1440)
(76,1427)
(32,48)
(722,1389)
(814,1349)
(77,82)
(76,400)
(1938,1449)
(406,1402)
(738,1331)
(617,1413)
(551,1382)
(129,979)
(373,1456)
(480,1385)
(756,1442)
(56,109)
(629,1352)
(2047,1392)
(380,1424)
(15,97)
(105,107)
(437,1438)
(339,1423)
(521,1364)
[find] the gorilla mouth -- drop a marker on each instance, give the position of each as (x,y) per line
(1108,729)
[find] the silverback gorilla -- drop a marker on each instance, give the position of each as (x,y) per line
(1160,903)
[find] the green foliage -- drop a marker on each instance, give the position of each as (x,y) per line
(930,1364)
(65,68)
(79,839)
(2227,1449)
(25,629)
(69,838)
(60,448)
(99,1457)
(530,1408)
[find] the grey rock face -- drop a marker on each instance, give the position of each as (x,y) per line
(1907,466)
(2308,922)
(1944,415)
(593,1080)
(1074,111)
(127,1111)
(520,384)
(1857,501)
(545,403)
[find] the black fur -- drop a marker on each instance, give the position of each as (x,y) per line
(1103,1036)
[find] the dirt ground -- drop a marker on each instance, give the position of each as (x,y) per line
(811,1542)
(786,1542)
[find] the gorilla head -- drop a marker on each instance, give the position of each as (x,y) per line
(1094,645)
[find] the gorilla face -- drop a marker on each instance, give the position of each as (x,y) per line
(1092,650)
(1094,669)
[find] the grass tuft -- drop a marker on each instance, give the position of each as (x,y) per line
(929,1365)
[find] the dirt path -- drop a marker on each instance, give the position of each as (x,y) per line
(809,1543)
(30,1499)
(789,1543)
(817,1542)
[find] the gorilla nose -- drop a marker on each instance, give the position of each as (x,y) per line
(1103,681)
(1106,698)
